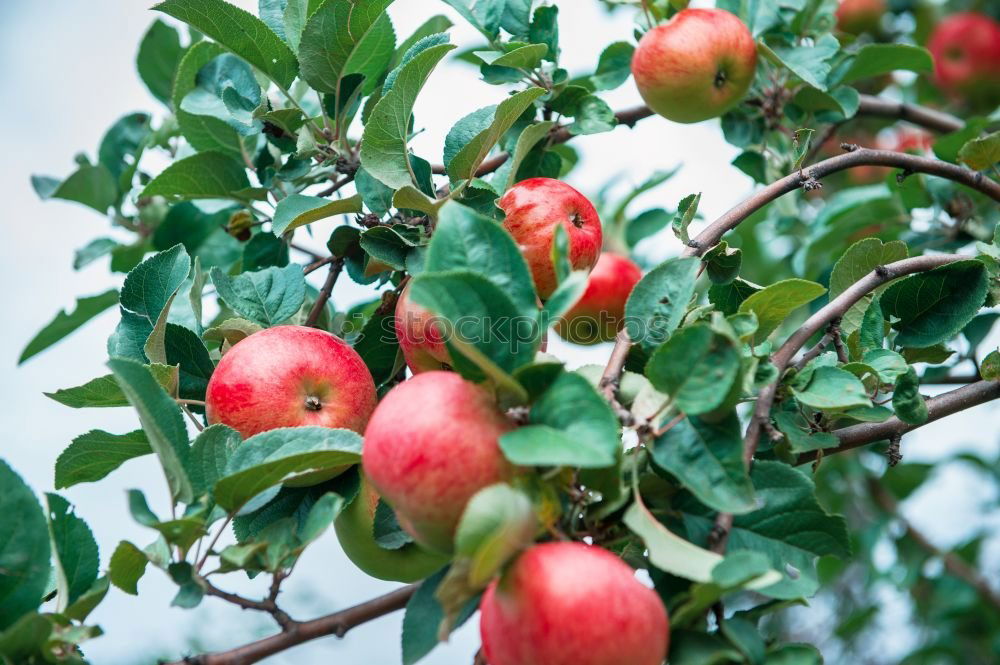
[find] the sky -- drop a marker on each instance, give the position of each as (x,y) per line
(69,73)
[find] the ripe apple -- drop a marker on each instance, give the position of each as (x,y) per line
(431,444)
(567,603)
(600,312)
(354,527)
(534,207)
(966,50)
(858,16)
(695,66)
(420,339)
(288,376)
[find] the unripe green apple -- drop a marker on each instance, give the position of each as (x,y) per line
(567,603)
(533,209)
(695,66)
(966,50)
(858,16)
(354,527)
(419,338)
(600,312)
(432,443)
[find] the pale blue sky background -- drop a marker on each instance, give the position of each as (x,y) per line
(68,74)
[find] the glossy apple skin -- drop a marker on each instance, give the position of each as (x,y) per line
(431,444)
(290,376)
(568,603)
(858,16)
(600,312)
(966,50)
(420,340)
(696,66)
(533,208)
(354,527)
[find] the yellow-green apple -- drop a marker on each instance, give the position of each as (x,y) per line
(567,603)
(355,531)
(534,208)
(966,50)
(695,66)
(419,336)
(288,376)
(432,443)
(858,16)
(600,312)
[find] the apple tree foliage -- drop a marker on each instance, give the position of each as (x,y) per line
(270,123)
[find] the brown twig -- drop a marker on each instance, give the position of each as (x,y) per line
(781,358)
(712,234)
(306,251)
(336,265)
(336,186)
(918,115)
(938,407)
(338,623)
(611,377)
(268,605)
(952,562)
(316,265)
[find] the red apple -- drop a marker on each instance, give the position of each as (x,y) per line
(420,339)
(288,376)
(568,603)
(858,16)
(431,444)
(600,312)
(354,527)
(534,207)
(695,66)
(966,50)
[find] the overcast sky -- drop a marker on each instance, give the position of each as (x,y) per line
(69,74)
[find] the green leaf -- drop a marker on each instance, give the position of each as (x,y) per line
(122,145)
(696,367)
(434,25)
(796,429)
(227,90)
(391,244)
(933,306)
(24,548)
(127,566)
(843,99)
(646,224)
(668,551)
(76,556)
(707,457)
(860,259)
(907,401)
(569,425)
(182,531)
(231,331)
(544,29)
(878,59)
(485,325)
(63,324)
(343,38)
(92,251)
(267,297)
(592,115)
(298,210)
(981,153)
(209,456)
(484,15)
(423,618)
(830,389)
(93,186)
(498,522)
(990,366)
(529,137)
(239,31)
(527,57)
(161,420)
(263,250)
(386,530)
(151,285)
(268,458)
(464,164)
(809,63)
(791,528)
(659,300)
(722,263)
(775,303)
(466,240)
(384,152)
(614,66)
(97,453)
(203,175)
(89,599)
(686,210)
(727,298)
(159,55)
(202,132)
